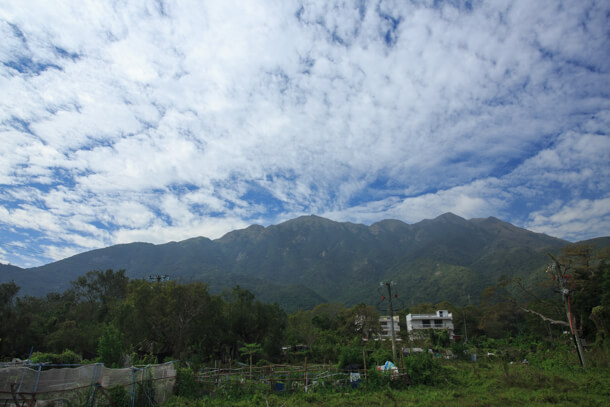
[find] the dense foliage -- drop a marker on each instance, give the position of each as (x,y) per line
(104,316)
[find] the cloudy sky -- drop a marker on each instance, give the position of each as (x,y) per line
(154,121)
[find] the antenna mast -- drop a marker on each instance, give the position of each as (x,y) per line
(158,278)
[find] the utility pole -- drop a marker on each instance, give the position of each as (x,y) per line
(465,330)
(561,277)
(464,317)
(389,285)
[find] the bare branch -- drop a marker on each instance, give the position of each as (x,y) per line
(531,294)
(552,321)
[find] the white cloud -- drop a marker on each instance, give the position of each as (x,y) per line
(161,233)
(573,219)
(155,120)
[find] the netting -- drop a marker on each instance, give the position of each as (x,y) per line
(288,378)
(90,384)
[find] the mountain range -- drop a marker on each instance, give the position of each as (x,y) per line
(310,260)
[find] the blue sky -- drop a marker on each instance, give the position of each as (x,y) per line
(163,120)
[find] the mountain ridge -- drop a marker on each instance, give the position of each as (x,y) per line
(445,258)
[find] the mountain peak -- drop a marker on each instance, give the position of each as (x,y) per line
(250,232)
(447,217)
(489,219)
(450,216)
(310,218)
(307,220)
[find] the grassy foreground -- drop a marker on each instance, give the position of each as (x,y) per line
(487,383)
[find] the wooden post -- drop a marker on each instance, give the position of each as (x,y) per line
(306,373)
(364,360)
(271,380)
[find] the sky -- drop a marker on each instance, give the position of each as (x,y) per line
(158,121)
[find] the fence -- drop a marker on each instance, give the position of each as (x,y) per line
(286,378)
(90,385)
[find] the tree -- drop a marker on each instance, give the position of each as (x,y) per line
(361,321)
(466,321)
(171,318)
(300,329)
(584,277)
(501,315)
(250,321)
(600,314)
(110,347)
(102,290)
(8,316)
(272,320)
(577,274)
(250,349)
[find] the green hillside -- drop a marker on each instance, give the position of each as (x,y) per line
(309,260)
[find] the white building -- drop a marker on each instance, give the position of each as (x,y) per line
(442,319)
(386,328)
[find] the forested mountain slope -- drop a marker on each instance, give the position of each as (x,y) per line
(309,260)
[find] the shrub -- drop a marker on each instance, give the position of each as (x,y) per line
(262,363)
(67,357)
(147,359)
(349,356)
(110,347)
(377,379)
(423,369)
(186,385)
(460,350)
(120,396)
(380,356)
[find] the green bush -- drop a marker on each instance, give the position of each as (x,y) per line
(67,357)
(380,356)
(349,355)
(377,379)
(186,385)
(423,368)
(120,396)
(262,363)
(110,347)
(177,401)
(139,360)
(460,350)
(145,393)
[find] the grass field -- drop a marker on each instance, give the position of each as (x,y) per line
(487,383)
